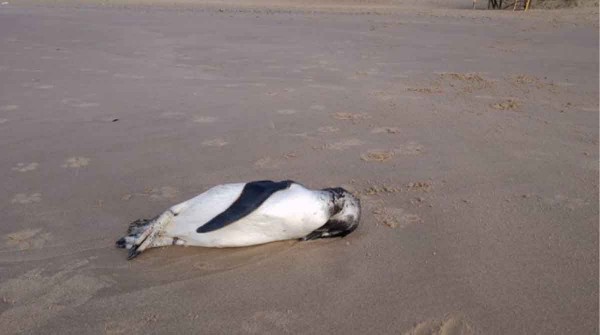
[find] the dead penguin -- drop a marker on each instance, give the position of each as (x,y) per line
(244,214)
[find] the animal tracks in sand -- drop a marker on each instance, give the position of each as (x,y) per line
(377,155)
(24,198)
(27,239)
(451,325)
(395,217)
(377,189)
(24,167)
(423,186)
(506,105)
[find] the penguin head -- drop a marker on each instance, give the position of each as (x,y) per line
(345,206)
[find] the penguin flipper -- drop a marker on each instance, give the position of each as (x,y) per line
(253,195)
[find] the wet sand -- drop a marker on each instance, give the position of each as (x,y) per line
(470,136)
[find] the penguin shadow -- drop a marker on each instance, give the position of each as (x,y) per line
(166,263)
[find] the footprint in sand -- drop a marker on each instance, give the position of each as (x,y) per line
(395,217)
(344,144)
(377,155)
(205,119)
(451,325)
(8,108)
(286,112)
(423,186)
(163,193)
(217,142)
(24,167)
(506,105)
(76,162)
(27,239)
(269,322)
(24,198)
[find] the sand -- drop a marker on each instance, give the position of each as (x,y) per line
(470,136)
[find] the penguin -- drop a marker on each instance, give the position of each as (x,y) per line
(245,214)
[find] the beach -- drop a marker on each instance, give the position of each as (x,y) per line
(470,136)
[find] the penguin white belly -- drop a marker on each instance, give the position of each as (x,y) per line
(290,213)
